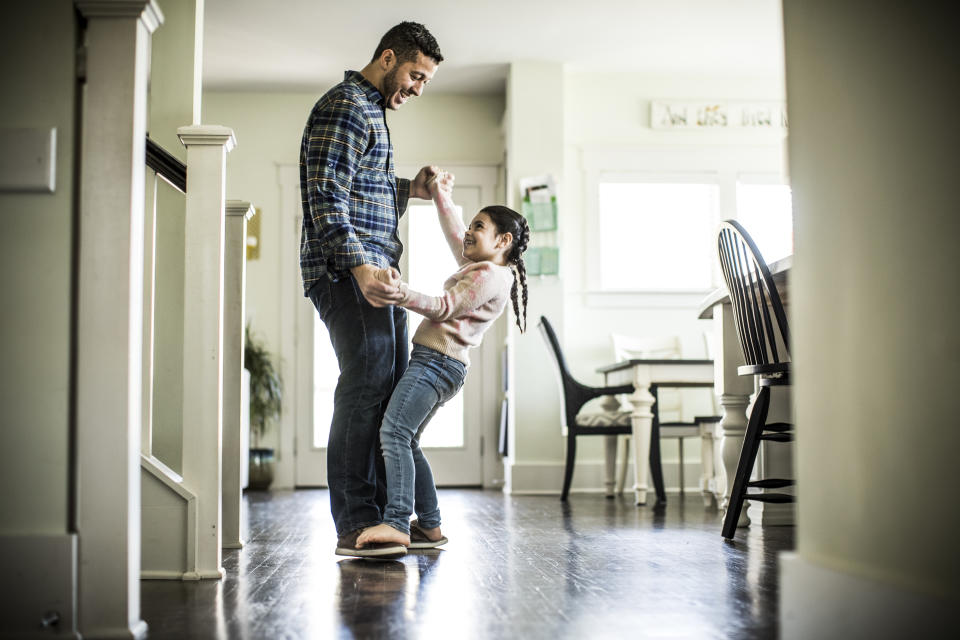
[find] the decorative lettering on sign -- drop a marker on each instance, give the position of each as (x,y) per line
(718,115)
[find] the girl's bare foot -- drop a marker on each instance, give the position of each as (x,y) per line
(432,534)
(382,533)
(423,538)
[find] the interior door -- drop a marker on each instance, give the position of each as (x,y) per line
(454,440)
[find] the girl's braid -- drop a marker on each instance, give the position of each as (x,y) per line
(508,220)
(516,257)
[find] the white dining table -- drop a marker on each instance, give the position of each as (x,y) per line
(735,394)
(643,374)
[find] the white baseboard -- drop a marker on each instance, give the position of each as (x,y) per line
(39,577)
(823,603)
(546,478)
(158,574)
(218,574)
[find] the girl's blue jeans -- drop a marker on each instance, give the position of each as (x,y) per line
(431,379)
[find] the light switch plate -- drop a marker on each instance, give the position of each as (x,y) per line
(28,159)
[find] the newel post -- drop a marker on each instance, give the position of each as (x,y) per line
(109,314)
(234,314)
(207,147)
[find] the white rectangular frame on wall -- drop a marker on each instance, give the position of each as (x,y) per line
(693,163)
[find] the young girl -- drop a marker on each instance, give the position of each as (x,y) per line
(489,253)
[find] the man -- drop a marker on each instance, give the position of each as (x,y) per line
(352,202)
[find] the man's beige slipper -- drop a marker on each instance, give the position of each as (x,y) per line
(347,546)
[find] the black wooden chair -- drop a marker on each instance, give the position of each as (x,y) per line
(761,323)
(573,396)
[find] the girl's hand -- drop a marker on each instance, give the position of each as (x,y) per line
(441,183)
(389,276)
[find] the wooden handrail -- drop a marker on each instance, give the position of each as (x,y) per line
(167,166)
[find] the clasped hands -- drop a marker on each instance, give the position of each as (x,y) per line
(382,286)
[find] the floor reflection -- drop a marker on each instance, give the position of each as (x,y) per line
(515,567)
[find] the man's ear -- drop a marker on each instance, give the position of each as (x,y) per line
(387,59)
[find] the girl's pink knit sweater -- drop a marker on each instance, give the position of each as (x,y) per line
(472,299)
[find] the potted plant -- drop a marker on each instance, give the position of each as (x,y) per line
(266,403)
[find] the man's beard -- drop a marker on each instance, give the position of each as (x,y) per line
(390,87)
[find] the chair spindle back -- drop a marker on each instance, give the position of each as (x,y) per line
(753,296)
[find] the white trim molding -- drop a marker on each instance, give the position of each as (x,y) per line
(40,572)
(546,478)
(147,10)
(826,603)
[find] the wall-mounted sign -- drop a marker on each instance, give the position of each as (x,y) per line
(718,115)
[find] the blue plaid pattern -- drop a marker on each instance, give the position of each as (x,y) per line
(350,194)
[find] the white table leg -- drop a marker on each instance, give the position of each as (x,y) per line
(642,421)
(734,392)
(733,426)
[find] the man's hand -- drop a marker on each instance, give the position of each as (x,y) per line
(381,287)
(418,186)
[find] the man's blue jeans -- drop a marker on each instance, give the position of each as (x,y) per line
(430,380)
(371,348)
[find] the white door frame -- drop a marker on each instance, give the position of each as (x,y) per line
(481,396)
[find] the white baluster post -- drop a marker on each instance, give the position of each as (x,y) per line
(109,315)
(207,148)
(234,313)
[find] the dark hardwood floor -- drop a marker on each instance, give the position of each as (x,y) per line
(515,567)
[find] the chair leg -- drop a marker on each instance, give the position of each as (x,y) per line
(568,470)
(624,461)
(609,464)
(748,454)
(680,449)
(656,466)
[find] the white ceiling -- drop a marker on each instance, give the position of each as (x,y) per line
(305,45)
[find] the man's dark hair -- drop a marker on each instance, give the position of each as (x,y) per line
(406,40)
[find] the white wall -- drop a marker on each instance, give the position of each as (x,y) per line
(35,258)
(621,121)
(534,128)
(600,111)
(38,546)
(874,316)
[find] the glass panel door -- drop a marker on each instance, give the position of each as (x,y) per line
(452,440)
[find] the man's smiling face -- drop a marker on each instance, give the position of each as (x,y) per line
(407,79)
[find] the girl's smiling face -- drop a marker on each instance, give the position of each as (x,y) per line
(482,242)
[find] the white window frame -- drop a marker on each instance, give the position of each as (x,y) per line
(722,165)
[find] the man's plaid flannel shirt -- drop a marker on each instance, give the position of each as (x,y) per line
(350,195)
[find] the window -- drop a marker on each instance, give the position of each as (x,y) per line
(765,210)
(656,236)
(653,213)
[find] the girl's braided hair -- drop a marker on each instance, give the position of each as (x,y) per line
(508,220)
